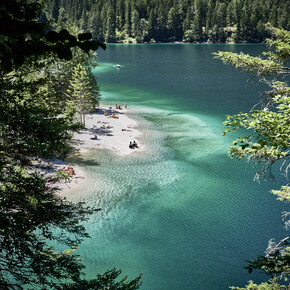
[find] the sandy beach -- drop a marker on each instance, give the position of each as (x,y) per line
(114,131)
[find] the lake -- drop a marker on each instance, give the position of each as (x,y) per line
(183,212)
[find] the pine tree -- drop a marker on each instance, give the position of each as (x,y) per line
(80,95)
(135,23)
(197,22)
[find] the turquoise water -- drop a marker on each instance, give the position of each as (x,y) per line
(181,212)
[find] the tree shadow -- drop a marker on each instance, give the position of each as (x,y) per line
(82,161)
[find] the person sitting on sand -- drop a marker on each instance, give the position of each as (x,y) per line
(70,170)
(95,137)
(105,113)
(120,108)
(135,144)
(131,145)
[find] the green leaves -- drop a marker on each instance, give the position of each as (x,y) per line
(23,38)
(268,142)
(271,129)
(283,193)
(263,67)
(80,92)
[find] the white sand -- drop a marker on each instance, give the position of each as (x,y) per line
(108,138)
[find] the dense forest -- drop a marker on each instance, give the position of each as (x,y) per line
(171,20)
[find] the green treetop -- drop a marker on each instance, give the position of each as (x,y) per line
(32,124)
(80,96)
(267,140)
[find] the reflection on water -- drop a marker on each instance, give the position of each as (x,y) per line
(181,212)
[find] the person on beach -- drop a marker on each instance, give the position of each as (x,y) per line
(70,170)
(125,105)
(95,137)
(131,145)
(135,144)
(117,107)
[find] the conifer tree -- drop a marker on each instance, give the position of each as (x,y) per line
(135,23)
(80,97)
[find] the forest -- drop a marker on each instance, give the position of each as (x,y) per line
(46,88)
(140,21)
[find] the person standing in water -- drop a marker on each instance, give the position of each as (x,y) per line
(125,105)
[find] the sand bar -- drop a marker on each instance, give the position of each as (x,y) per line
(114,131)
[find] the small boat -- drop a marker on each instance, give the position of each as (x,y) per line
(117,66)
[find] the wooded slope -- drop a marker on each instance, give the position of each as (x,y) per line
(172,20)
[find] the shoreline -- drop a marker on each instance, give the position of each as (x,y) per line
(113,133)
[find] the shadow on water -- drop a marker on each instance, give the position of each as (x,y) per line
(83,161)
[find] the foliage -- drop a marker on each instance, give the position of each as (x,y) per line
(80,93)
(23,38)
(270,125)
(283,193)
(168,20)
(62,174)
(270,142)
(32,124)
(62,72)
(276,262)
(273,285)
(29,214)
(267,141)
(107,281)
(276,59)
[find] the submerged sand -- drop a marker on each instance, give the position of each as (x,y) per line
(114,131)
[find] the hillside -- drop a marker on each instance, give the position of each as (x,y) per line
(171,20)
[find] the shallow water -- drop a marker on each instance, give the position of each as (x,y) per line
(182,212)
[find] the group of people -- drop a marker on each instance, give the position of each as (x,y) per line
(69,169)
(118,107)
(133,145)
(106,127)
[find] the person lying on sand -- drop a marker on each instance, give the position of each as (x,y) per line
(95,137)
(126,130)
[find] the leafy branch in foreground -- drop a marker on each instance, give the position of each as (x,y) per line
(270,142)
(32,124)
(267,141)
(272,285)
(24,38)
(275,61)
